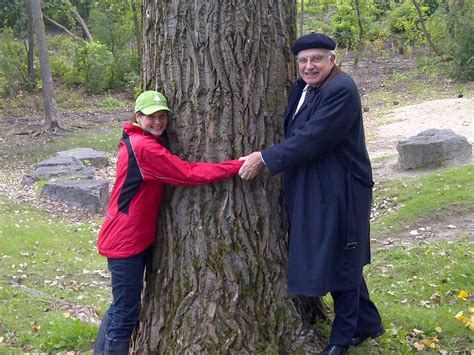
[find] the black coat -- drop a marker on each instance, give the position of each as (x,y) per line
(328,187)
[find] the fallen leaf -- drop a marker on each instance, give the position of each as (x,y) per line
(35,326)
(463,295)
(460,316)
(436,298)
(66,314)
(417,331)
(419,346)
(438,329)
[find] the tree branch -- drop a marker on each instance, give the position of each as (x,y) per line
(57,24)
(427,35)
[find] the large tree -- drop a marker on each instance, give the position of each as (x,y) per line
(217,282)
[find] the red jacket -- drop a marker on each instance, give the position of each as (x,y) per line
(143,167)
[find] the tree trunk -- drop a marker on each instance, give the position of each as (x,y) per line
(136,26)
(51,111)
(217,283)
(302,18)
(359,46)
(81,22)
(426,33)
(57,24)
(31,47)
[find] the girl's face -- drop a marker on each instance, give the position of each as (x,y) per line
(155,123)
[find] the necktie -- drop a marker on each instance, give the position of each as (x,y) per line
(309,90)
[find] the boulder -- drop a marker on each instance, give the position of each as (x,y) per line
(432,148)
(88,156)
(59,167)
(89,194)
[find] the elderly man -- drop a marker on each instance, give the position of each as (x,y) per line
(328,188)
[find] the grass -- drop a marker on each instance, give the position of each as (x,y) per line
(418,197)
(58,259)
(416,291)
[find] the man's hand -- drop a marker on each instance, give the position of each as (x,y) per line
(253,164)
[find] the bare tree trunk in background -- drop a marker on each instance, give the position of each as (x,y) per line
(138,34)
(217,283)
(57,24)
(31,46)
(53,120)
(426,33)
(79,19)
(361,34)
(302,18)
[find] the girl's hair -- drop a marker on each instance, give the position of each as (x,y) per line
(133,118)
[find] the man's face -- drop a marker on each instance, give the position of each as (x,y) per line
(315,64)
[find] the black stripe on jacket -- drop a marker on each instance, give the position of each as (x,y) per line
(132,180)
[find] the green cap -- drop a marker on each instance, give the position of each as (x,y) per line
(149,102)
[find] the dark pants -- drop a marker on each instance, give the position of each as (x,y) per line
(355,315)
(121,318)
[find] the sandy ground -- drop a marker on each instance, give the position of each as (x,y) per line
(407,121)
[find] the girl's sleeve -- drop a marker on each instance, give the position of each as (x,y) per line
(157,163)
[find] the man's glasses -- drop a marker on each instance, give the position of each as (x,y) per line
(313,60)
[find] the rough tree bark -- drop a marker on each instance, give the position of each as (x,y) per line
(217,282)
(53,119)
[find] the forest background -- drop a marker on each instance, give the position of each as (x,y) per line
(94,51)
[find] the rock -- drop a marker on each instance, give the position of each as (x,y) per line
(88,156)
(432,148)
(89,194)
(59,167)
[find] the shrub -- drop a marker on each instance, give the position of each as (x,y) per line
(93,64)
(13,66)
(463,44)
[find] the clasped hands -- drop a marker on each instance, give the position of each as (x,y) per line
(253,165)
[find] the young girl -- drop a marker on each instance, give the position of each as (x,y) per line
(144,166)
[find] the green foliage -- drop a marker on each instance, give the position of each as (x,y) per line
(13,15)
(13,66)
(93,64)
(344,25)
(403,20)
(112,25)
(111,102)
(463,44)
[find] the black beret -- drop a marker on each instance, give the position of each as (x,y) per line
(313,40)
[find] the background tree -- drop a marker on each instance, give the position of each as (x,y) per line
(52,117)
(218,279)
